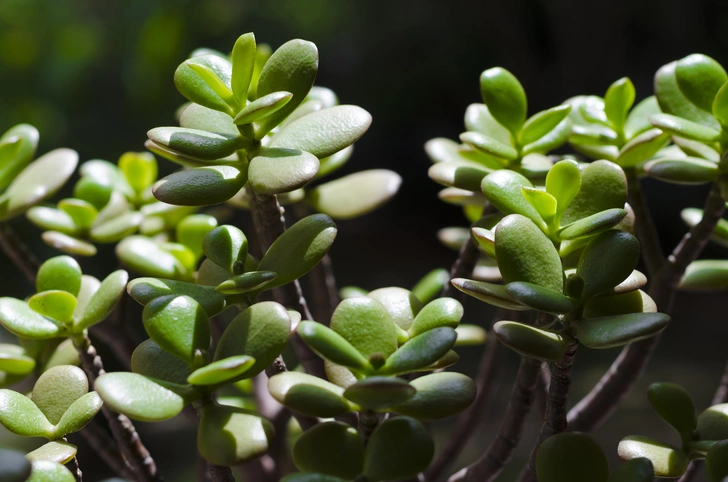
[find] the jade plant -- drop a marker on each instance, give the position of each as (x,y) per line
(283,375)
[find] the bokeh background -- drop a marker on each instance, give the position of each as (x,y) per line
(95,76)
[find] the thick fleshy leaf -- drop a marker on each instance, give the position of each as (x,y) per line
(563,182)
(334,162)
(479,119)
(490,293)
(221,371)
(674,101)
(332,346)
(688,170)
(195,116)
(21,416)
(150,360)
(55,304)
(720,106)
(540,298)
(14,467)
(115,229)
(179,325)
(59,273)
(202,186)
(458,174)
(139,169)
(377,393)
(571,457)
(260,331)
(309,395)
(227,247)
(636,301)
(367,325)
(18,318)
(144,290)
(442,312)
(504,189)
(470,335)
(246,282)
(356,194)
(635,470)
(399,448)
(47,471)
(490,146)
(431,284)
(716,462)
(505,98)
(607,261)
(143,398)
(198,144)
(194,87)
(57,389)
(611,331)
(279,170)
(603,186)
(332,448)
(593,224)
(634,281)
(439,395)
(192,229)
(531,341)
(667,461)
(104,300)
(59,452)
(543,122)
(79,414)
(543,202)
(262,107)
(680,127)
(231,436)
(17,147)
(617,102)
(52,219)
(14,360)
(83,213)
(68,244)
(243,65)
(699,77)
(675,406)
(292,68)
(40,180)
(705,275)
(299,249)
(524,253)
(642,148)
(402,305)
(420,351)
(324,132)
(713,423)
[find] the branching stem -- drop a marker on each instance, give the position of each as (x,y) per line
(18,252)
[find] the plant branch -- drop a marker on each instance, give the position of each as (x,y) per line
(105,446)
(555,417)
(220,473)
(134,451)
(543,380)
(18,252)
(646,231)
(368,422)
(621,376)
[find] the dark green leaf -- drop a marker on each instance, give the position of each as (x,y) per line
(439,395)
(277,170)
(680,127)
(540,298)
(246,282)
(603,186)
(594,224)
(377,393)
(607,261)
(195,143)
(490,293)
(571,457)
(202,186)
(231,435)
(438,313)
(399,448)
(309,395)
(150,360)
(675,406)
(332,448)
(221,371)
(635,470)
(611,331)
(530,341)
(505,98)
(367,325)
(332,346)
(716,462)
(420,351)
(226,246)
(179,325)
(687,170)
(713,423)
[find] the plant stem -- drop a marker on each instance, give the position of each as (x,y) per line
(469,420)
(219,473)
(134,451)
(491,463)
(543,380)
(269,225)
(104,445)
(555,417)
(368,422)
(645,227)
(76,470)
(18,252)
(325,293)
(619,379)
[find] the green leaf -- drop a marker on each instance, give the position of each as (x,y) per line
(431,284)
(292,68)
(79,414)
(470,335)
(402,305)
(142,398)
(505,98)
(399,448)
(192,230)
(83,213)
(195,116)
(356,194)
(103,302)
(179,325)
(309,395)
(617,102)
(278,170)
(194,87)
(14,360)
(420,351)
(334,162)
(201,186)
(299,249)
(377,393)
(571,457)
(720,106)
(488,145)
(68,244)
(687,170)
(552,140)
(457,174)
(46,471)
(699,77)
(705,275)
(59,273)
(332,346)
(530,341)
(145,256)
(540,298)
(635,470)
(611,331)
(667,461)
(324,132)
(231,436)
(716,462)
(680,127)
(504,189)
(195,143)
(638,120)
(52,219)
(243,60)
(246,282)
(524,253)
(260,331)
(713,423)
(490,293)
(439,395)
(675,406)
(607,261)
(479,119)
(116,229)
(150,360)
(226,246)
(139,169)
(544,202)
(367,325)
(19,319)
(563,182)
(542,123)
(14,467)
(442,312)
(57,389)
(144,290)
(673,100)
(262,107)
(697,149)
(108,174)
(21,416)
(221,371)
(40,180)
(332,448)
(603,186)
(55,304)
(59,452)
(594,224)
(636,301)
(17,147)
(642,148)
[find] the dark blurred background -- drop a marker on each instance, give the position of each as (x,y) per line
(95,76)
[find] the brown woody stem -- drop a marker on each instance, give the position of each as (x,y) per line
(104,445)
(18,252)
